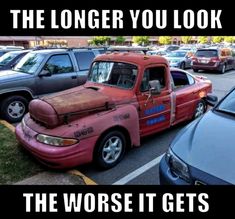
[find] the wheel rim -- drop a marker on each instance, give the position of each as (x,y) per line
(199,110)
(112,149)
(16,109)
(223,69)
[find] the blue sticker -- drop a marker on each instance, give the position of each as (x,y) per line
(156,120)
(155,109)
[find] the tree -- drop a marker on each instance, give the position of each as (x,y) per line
(120,39)
(202,39)
(100,40)
(217,39)
(186,39)
(141,40)
(229,39)
(165,40)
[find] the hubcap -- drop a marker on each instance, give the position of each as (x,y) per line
(199,110)
(16,109)
(223,69)
(112,149)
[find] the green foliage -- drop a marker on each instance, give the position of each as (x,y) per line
(165,40)
(141,40)
(100,40)
(120,39)
(229,39)
(202,39)
(186,39)
(217,39)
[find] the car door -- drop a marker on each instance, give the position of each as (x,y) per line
(61,75)
(155,110)
(185,91)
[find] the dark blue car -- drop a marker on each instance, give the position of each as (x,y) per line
(204,151)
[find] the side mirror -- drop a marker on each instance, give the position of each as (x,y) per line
(155,87)
(211,100)
(45,73)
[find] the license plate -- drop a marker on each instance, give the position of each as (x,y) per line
(204,61)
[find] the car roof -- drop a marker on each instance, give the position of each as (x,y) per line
(130,57)
(19,51)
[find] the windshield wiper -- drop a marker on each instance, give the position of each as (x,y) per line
(225,111)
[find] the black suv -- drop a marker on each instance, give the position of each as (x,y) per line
(42,72)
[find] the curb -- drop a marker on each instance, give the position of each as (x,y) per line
(8,125)
(86,179)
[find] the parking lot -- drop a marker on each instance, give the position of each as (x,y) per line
(140,165)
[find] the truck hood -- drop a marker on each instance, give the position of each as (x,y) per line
(68,105)
(8,76)
(208,145)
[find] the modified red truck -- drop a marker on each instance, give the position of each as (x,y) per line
(127,96)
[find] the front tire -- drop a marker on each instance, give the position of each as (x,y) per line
(182,65)
(195,70)
(13,108)
(200,109)
(111,149)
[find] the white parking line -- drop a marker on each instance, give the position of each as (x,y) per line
(138,171)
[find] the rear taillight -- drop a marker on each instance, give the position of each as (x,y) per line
(215,59)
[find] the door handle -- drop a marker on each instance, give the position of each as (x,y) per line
(74,77)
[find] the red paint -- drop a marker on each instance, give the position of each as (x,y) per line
(98,108)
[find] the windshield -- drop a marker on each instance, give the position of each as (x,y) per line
(228,104)
(6,58)
(206,53)
(117,74)
(177,54)
(29,63)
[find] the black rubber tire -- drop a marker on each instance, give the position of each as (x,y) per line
(98,153)
(201,102)
(223,69)
(182,65)
(195,70)
(6,102)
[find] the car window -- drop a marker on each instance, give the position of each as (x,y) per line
(228,104)
(6,58)
(207,53)
(84,59)
(59,64)
(181,79)
(29,63)
(118,74)
(150,74)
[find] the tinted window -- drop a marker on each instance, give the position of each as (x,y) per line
(59,64)
(84,59)
(206,53)
(181,79)
(150,74)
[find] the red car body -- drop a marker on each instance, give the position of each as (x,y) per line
(88,113)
